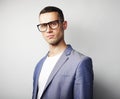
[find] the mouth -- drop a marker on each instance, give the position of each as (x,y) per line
(50,36)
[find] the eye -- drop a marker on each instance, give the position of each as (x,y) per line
(43,25)
(54,23)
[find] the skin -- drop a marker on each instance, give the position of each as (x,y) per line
(55,38)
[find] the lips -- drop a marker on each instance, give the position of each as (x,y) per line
(50,36)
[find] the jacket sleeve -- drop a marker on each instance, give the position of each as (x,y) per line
(83,85)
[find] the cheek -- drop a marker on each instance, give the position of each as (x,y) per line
(60,29)
(60,35)
(59,32)
(44,36)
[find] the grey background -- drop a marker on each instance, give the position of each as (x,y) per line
(93,29)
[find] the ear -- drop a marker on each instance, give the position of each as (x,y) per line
(65,25)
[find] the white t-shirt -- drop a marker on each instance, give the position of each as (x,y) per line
(47,68)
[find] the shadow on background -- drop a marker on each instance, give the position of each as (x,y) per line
(102,92)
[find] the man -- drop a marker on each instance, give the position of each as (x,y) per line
(63,73)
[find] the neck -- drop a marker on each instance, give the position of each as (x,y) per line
(56,49)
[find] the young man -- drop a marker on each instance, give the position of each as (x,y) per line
(63,73)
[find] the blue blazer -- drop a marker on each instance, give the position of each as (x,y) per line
(71,78)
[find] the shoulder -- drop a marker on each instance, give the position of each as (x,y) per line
(85,65)
(79,56)
(38,66)
(40,62)
(74,54)
(76,57)
(83,62)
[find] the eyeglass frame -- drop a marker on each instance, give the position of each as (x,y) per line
(49,23)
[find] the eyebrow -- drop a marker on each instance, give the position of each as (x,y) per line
(49,22)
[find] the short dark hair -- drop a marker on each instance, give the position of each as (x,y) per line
(53,9)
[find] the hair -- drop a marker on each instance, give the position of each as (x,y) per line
(53,9)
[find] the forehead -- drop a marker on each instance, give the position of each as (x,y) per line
(49,16)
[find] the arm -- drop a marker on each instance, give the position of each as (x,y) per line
(83,86)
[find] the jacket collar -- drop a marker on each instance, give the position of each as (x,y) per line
(66,52)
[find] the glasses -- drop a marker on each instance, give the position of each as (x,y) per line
(52,24)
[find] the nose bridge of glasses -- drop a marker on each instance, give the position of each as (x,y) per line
(48,26)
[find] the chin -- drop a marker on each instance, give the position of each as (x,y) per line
(53,43)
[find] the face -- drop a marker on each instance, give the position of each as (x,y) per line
(53,36)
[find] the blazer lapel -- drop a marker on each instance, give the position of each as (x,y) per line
(56,69)
(59,64)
